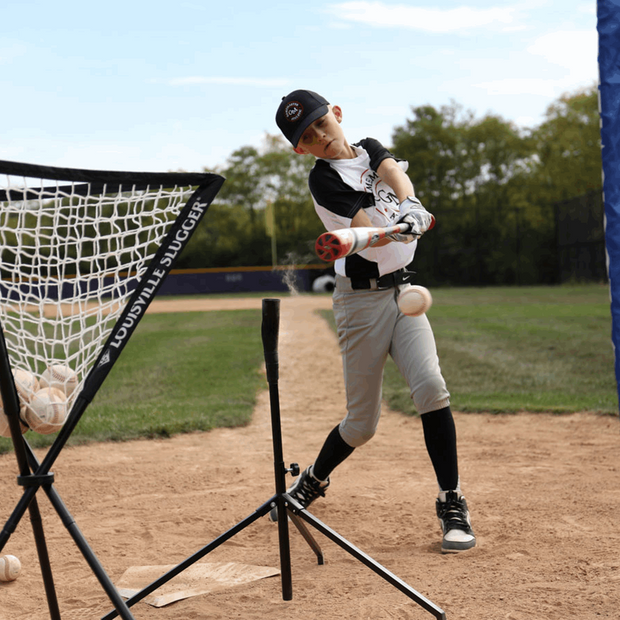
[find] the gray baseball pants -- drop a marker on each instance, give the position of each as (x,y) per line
(370,326)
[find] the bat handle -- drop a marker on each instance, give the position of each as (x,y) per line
(269,332)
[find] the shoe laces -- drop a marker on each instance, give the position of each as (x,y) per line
(453,513)
(308,490)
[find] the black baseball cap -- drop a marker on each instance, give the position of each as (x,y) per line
(297,111)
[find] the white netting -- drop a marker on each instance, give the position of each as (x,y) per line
(69,260)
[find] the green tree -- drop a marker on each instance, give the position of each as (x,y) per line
(465,170)
(568,148)
(432,143)
(233,233)
(243,185)
(454,158)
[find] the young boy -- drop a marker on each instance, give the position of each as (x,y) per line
(364,185)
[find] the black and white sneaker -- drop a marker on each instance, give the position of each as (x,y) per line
(455,522)
(305,490)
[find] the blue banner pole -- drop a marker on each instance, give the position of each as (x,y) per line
(608,26)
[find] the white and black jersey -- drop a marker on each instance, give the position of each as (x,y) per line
(340,188)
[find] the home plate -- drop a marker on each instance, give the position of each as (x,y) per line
(194,580)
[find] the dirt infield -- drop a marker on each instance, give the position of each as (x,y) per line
(543,490)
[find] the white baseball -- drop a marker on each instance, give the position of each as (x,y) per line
(415,300)
(47,411)
(5,430)
(26,383)
(9,567)
(61,377)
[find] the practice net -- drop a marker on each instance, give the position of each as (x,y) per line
(74,245)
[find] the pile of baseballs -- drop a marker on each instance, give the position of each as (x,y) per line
(9,567)
(43,400)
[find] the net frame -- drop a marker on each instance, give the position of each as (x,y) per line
(134,295)
(71,255)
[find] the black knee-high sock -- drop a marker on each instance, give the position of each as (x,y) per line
(334,451)
(440,438)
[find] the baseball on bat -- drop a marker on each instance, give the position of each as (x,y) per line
(339,243)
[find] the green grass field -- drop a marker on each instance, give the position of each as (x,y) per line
(502,350)
(538,349)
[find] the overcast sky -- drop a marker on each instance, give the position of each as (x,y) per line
(159,86)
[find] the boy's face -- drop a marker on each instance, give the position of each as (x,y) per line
(325,138)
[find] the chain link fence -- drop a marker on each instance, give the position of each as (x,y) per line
(581,239)
(494,246)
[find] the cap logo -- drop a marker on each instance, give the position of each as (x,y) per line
(293,111)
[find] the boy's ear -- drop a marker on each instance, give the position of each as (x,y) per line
(300,150)
(337,113)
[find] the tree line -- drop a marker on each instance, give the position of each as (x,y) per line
(492,186)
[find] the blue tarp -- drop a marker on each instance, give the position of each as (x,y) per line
(608,12)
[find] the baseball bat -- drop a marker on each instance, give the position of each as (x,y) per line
(339,243)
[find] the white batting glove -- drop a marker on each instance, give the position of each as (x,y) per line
(412,212)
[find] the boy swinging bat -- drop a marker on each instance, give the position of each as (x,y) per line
(356,186)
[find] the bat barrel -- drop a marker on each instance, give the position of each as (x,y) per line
(328,247)
(332,245)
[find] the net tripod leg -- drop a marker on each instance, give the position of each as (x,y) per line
(44,560)
(76,534)
(29,502)
(88,553)
(11,403)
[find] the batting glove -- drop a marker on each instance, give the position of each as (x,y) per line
(412,212)
(403,237)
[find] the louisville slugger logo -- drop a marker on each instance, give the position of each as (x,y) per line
(105,359)
(138,307)
(187,228)
(150,286)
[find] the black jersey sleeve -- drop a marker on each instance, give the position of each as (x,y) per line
(376,151)
(332,193)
